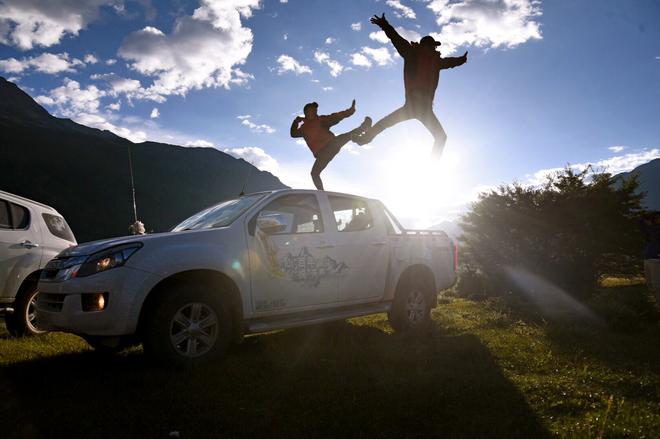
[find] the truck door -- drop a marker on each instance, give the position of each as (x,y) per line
(362,244)
(293,266)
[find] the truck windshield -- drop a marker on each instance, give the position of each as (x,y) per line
(220,215)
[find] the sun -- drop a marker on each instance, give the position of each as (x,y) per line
(417,187)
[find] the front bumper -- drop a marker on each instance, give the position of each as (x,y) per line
(59,304)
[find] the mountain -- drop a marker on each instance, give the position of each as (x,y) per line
(648,176)
(84,172)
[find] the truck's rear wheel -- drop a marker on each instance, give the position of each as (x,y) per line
(411,310)
(23,321)
(188,325)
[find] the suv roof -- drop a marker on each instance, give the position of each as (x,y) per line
(26,200)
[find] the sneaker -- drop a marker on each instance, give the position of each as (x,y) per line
(366,124)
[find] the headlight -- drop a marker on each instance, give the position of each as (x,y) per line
(107,259)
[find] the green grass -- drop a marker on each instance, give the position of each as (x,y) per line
(478,373)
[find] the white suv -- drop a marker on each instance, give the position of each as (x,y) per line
(31,234)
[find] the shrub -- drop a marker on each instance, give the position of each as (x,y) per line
(569,232)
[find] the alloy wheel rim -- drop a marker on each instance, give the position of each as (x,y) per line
(415,307)
(31,315)
(194,329)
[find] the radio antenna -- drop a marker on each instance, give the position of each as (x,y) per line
(130,168)
(246,180)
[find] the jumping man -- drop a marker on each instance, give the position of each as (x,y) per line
(421,72)
(323,143)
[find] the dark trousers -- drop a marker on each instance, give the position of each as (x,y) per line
(324,156)
(417,106)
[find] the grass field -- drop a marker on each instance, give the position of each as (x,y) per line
(478,373)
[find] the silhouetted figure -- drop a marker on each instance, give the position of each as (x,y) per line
(421,72)
(323,143)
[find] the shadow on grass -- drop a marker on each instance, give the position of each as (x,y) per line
(324,381)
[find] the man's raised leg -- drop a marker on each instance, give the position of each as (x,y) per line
(391,119)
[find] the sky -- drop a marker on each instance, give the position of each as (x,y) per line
(547,84)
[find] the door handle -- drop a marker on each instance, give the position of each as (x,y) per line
(379,243)
(28,244)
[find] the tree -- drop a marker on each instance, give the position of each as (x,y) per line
(570,231)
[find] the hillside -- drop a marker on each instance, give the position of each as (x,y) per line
(83,172)
(649,182)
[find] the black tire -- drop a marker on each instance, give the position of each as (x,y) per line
(167,339)
(411,310)
(23,321)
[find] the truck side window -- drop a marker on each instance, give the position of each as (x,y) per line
(20,216)
(297,213)
(5,219)
(351,214)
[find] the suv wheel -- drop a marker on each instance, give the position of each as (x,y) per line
(24,319)
(410,309)
(188,325)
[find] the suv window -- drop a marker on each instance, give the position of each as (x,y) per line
(20,216)
(299,213)
(58,227)
(5,219)
(351,214)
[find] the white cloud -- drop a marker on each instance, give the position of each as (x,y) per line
(289,64)
(257,157)
(327,88)
(323,58)
(409,35)
(356,26)
(301,142)
(616,149)
(116,106)
(245,116)
(285,36)
(30,23)
(358,59)
(82,105)
(284,1)
(90,59)
(614,165)
(130,88)
(155,113)
(486,23)
(200,143)
(381,56)
(48,63)
(71,99)
(401,9)
(255,128)
(202,51)
(110,61)
(330,40)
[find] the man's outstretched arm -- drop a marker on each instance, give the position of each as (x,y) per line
(400,44)
(295,131)
(453,61)
(335,118)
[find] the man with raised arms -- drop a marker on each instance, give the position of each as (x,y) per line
(421,72)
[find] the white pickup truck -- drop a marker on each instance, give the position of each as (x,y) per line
(257,263)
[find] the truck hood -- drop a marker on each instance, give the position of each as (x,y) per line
(88,248)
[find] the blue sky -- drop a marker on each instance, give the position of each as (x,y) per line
(546,84)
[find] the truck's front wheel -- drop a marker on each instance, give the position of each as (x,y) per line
(188,325)
(411,307)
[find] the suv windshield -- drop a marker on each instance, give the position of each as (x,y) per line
(220,215)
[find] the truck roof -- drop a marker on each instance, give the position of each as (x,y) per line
(310,191)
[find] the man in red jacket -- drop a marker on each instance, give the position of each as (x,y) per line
(320,140)
(421,72)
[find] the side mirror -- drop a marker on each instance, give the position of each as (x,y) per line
(270,225)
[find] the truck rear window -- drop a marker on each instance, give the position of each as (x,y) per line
(57,226)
